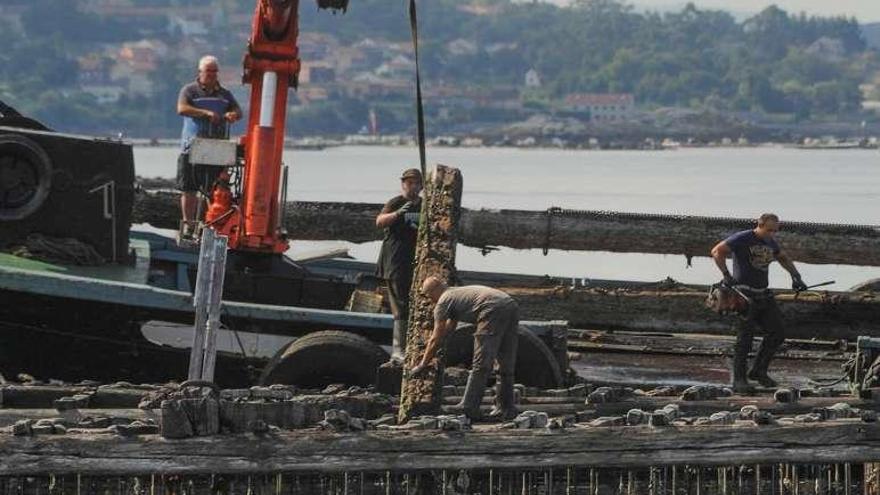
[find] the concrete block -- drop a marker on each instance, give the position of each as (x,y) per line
(786,395)
(23,427)
(389,376)
(175,422)
(723,418)
(43,429)
(540,420)
(635,417)
(659,419)
(748,412)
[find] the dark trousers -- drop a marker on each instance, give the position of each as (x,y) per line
(762,317)
(398,296)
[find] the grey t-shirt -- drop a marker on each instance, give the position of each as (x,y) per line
(470,303)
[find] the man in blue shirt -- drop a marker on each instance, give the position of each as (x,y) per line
(753,251)
(207,110)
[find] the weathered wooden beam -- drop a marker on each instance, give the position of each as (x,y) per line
(827,316)
(661,234)
(9,417)
(697,344)
(40,396)
(435,256)
(324,452)
(562,229)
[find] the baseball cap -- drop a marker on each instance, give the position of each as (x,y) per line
(411,173)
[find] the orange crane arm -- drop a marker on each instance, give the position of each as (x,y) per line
(271,67)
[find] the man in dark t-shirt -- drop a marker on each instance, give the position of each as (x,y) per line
(207,109)
(753,251)
(399,218)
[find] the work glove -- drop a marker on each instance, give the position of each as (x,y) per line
(403,210)
(798,284)
(728,280)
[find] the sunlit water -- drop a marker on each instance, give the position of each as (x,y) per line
(821,186)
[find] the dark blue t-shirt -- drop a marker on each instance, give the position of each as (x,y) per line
(751,258)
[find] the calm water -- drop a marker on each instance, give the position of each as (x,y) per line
(827,186)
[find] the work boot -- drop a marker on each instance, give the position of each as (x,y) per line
(398,341)
(762,363)
(740,383)
(473,395)
(505,399)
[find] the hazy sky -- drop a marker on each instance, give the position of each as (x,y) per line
(863,10)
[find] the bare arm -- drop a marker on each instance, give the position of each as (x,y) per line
(187,110)
(233,115)
(386,219)
(441,330)
(788,264)
(720,253)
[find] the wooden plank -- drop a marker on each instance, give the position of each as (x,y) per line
(567,230)
(43,396)
(314,451)
(435,256)
(9,417)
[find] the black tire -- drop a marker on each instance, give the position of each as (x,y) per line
(536,365)
(27,173)
(322,358)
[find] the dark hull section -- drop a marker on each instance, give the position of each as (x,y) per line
(74,340)
(65,186)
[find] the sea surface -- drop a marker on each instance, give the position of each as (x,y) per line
(840,186)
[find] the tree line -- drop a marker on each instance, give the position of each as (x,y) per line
(773,62)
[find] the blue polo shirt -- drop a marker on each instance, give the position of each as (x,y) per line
(218,100)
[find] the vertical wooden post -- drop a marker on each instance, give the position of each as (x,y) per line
(435,255)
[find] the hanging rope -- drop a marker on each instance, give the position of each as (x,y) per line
(420,114)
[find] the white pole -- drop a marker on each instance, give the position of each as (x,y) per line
(200,301)
(267,101)
(218,274)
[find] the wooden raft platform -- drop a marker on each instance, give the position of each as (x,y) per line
(317,451)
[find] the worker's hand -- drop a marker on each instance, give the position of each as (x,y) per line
(728,280)
(404,209)
(230,116)
(797,283)
(214,117)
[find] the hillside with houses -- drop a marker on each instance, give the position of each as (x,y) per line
(491,68)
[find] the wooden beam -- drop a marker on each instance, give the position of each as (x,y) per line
(435,256)
(9,417)
(562,229)
(832,442)
(838,315)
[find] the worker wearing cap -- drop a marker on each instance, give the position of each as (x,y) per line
(399,219)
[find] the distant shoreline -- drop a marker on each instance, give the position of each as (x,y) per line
(321,143)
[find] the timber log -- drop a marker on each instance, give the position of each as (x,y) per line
(555,228)
(826,315)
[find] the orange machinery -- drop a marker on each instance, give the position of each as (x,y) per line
(251,215)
